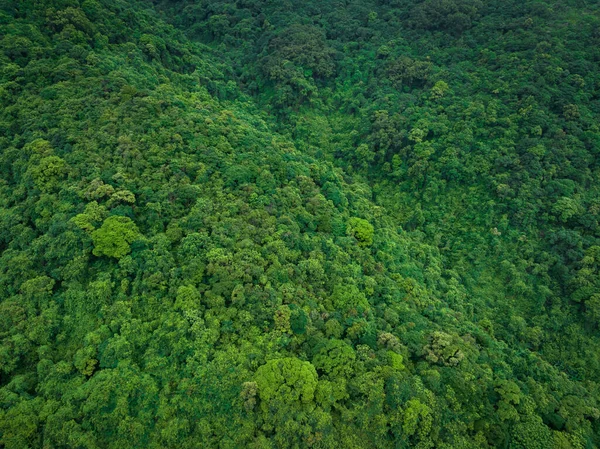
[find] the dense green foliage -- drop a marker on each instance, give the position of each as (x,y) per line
(254,224)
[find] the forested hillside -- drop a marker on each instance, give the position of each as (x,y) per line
(317,224)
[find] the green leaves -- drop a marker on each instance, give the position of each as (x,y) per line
(409,72)
(444,349)
(286,381)
(49,172)
(114,237)
(250,305)
(361,230)
(348,299)
(91,217)
(335,359)
(417,416)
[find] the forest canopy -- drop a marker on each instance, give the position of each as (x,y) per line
(322,224)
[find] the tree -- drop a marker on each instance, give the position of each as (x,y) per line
(451,15)
(114,237)
(361,230)
(335,359)
(286,381)
(305,47)
(287,388)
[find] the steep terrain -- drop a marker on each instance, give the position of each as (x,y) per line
(327,224)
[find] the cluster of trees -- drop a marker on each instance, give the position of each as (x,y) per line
(360,224)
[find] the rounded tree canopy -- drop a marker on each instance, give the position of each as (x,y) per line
(114,237)
(286,380)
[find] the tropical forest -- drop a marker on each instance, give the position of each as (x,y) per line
(303,224)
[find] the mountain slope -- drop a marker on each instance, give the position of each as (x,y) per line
(177,270)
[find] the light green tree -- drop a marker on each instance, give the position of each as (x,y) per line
(336,359)
(361,230)
(287,380)
(114,237)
